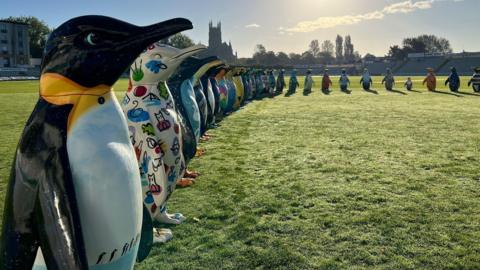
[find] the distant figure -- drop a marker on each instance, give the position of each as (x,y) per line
(453,80)
(344,81)
(409,84)
(475,80)
(366,80)
(389,80)
(430,80)
(280,81)
(271,82)
(326,82)
(307,89)
(293,84)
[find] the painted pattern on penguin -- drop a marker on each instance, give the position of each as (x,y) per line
(293,84)
(232,92)
(239,87)
(475,81)
(453,80)
(366,80)
(280,82)
(389,80)
(75,188)
(155,129)
(308,83)
(430,80)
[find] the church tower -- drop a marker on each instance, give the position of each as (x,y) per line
(214,35)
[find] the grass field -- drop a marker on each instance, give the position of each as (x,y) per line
(360,181)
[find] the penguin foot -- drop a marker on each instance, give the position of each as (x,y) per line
(174,219)
(185,182)
(200,152)
(161,236)
(191,174)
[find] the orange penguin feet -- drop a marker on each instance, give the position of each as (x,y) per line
(185,182)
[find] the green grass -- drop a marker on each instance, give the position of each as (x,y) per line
(337,181)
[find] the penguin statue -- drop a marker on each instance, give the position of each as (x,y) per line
(272,82)
(155,128)
(183,84)
(260,84)
(246,85)
(293,84)
(366,80)
(232,92)
(308,83)
(326,81)
(430,80)
(453,80)
(239,87)
(222,88)
(252,83)
(210,86)
(344,81)
(280,82)
(408,84)
(389,80)
(475,80)
(75,190)
(266,85)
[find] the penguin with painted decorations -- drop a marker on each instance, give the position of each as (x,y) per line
(366,80)
(280,84)
(232,92)
(453,80)
(213,94)
(246,85)
(293,83)
(222,88)
(388,80)
(272,82)
(239,86)
(475,80)
(155,128)
(344,81)
(74,199)
(326,81)
(430,80)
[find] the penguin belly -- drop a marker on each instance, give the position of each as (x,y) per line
(190,104)
(107,187)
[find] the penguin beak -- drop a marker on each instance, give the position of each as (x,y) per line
(155,32)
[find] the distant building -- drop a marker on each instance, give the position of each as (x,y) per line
(14,44)
(217,47)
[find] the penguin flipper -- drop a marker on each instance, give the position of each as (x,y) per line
(146,238)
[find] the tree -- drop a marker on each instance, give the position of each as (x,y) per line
(339,48)
(434,44)
(180,41)
(260,54)
(38,32)
(314,48)
(295,58)
(397,53)
(413,45)
(348,49)
(327,48)
(260,49)
(283,58)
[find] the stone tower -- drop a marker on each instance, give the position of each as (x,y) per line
(214,35)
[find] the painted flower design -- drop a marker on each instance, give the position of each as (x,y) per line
(155,66)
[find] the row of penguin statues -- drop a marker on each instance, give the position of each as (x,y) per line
(92,176)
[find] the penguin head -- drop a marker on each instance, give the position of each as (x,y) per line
(96,50)
(454,70)
(159,62)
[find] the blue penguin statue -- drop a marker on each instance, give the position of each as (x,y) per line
(74,196)
(209,84)
(453,80)
(366,80)
(232,92)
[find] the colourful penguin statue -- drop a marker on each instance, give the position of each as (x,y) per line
(366,80)
(475,80)
(253,83)
(212,93)
(232,92)
(293,83)
(344,81)
(453,80)
(308,84)
(239,87)
(265,82)
(74,197)
(260,87)
(389,80)
(409,84)
(246,85)
(222,88)
(326,81)
(280,85)
(430,80)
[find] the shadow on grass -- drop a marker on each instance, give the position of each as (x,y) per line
(415,91)
(288,94)
(397,91)
(348,92)
(307,92)
(371,91)
(326,91)
(445,93)
(469,94)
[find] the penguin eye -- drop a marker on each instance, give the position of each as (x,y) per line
(92,39)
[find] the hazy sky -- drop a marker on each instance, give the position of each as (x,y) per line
(285,25)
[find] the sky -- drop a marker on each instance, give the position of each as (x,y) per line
(284,25)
